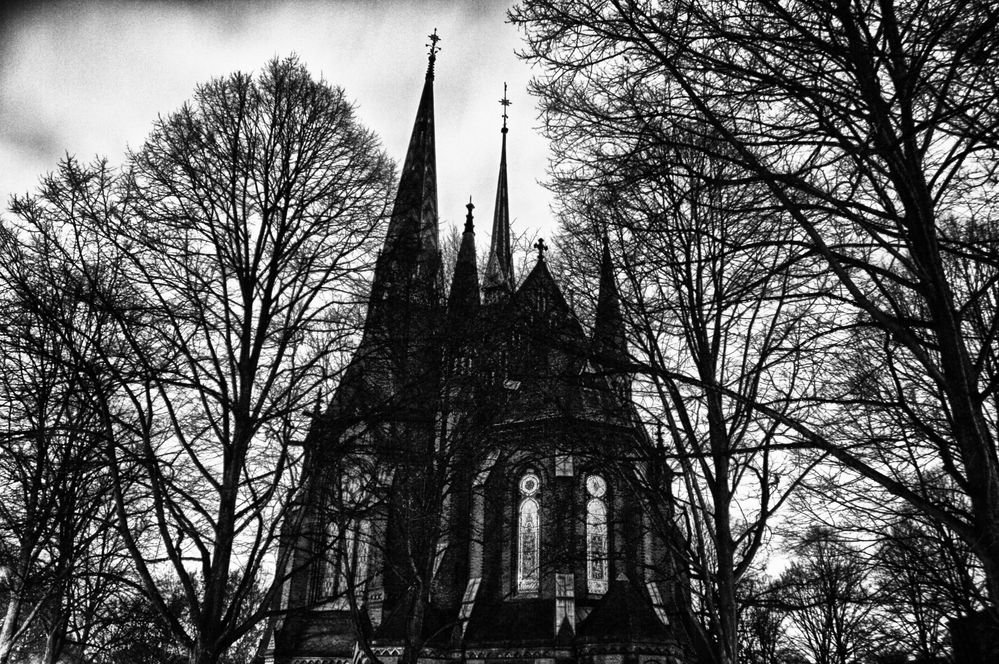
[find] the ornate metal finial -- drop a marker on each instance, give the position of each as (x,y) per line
(468,217)
(505,103)
(434,50)
(541,247)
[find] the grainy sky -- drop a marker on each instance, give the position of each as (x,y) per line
(89,77)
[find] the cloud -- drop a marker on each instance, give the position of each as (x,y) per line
(90,78)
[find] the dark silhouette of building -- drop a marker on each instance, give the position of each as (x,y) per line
(473,492)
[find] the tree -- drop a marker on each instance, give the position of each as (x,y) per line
(58,548)
(228,257)
(925,583)
(763,637)
(874,127)
(831,601)
(702,296)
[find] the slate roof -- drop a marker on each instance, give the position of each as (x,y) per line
(623,615)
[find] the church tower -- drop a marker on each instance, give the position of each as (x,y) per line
(472,492)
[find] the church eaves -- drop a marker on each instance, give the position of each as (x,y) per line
(499,268)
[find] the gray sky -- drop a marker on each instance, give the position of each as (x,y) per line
(89,78)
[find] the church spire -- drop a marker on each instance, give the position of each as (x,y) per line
(411,254)
(609,343)
(499,267)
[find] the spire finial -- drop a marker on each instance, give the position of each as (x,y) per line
(504,102)
(434,49)
(542,248)
(468,217)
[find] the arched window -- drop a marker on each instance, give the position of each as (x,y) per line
(596,535)
(346,553)
(528,534)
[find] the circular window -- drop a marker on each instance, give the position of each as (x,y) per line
(529,484)
(596,486)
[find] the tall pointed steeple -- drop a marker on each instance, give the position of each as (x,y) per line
(409,266)
(499,267)
(463,300)
(610,346)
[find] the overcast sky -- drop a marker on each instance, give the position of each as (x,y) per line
(89,78)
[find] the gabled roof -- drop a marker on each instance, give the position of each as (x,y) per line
(544,330)
(624,615)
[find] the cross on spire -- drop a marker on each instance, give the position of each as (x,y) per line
(504,102)
(541,247)
(434,49)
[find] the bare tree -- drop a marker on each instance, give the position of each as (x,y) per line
(707,294)
(873,126)
(242,229)
(763,637)
(58,545)
(925,575)
(831,601)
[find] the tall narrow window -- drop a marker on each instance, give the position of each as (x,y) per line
(331,575)
(528,534)
(596,535)
(347,554)
(361,553)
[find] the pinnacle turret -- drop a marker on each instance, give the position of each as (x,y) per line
(463,300)
(610,346)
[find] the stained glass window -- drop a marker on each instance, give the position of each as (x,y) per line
(528,534)
(596,535)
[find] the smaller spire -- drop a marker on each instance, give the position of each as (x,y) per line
(498,281)
(434,49)
(469,226)
(463,300)
(610,345)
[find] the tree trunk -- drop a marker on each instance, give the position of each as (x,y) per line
(8,628)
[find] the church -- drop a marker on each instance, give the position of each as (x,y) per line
(480,487)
